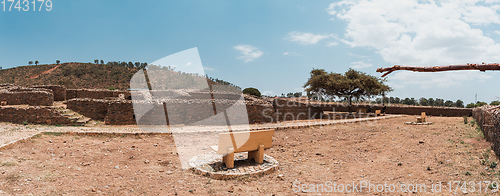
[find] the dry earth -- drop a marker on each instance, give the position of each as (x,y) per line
(383,151)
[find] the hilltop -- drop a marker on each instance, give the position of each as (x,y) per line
(81,75)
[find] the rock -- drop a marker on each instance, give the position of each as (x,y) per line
(117,167)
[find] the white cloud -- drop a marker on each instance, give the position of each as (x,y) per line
(411,32)
(305,38)
(248,53)
(291,54)
(360,65)
(208,68)
(431,80)
(269,93)
(496,32)
(422,33)
(330,44)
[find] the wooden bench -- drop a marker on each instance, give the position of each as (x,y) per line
(256,142)
(421,119)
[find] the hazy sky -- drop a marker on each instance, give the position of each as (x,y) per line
(273,44)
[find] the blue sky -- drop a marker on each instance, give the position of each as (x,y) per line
(273,44)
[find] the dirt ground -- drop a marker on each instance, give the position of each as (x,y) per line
(383,154)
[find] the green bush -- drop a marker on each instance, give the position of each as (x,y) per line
(474,105)
(111,88)
(497,102)
(252,91)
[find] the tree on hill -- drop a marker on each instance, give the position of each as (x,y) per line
(102,61)
(58,61)
(36,62)
(423,101)
(495,102)
(252,91)
(351,84)
(459,104)
(30,62)
(449,103)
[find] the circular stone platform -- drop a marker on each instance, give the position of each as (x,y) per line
(211,165)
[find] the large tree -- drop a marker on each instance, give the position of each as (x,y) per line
(351,84)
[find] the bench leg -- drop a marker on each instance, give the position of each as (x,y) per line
(257,155)
(228,159)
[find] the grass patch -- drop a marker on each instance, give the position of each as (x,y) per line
(8,164)
(36,136)
(473,122)
(13,177)
(53,133)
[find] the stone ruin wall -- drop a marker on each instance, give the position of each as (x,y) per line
(94,93)
(408,110)
(59,91)
(488,119)
(33,114)
(115,112)
(104,105)
(14,95)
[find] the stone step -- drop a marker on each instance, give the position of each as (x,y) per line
(73,118)
(83,120)
(76,118)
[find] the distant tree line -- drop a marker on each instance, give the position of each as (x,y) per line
(31,62)
(291,94)
(124,64)
(222,82)
(422,102)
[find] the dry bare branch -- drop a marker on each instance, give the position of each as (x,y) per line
(468,66)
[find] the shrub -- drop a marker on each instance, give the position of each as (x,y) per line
(470,105)
(252,91)
(497,102)
(111,88)
(465,119)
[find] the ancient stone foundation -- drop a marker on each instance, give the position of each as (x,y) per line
(33,114)
(120,112)
(13,95)
(116,107)
(59,91)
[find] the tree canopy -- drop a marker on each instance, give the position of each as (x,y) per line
(351,84)
(252,91)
